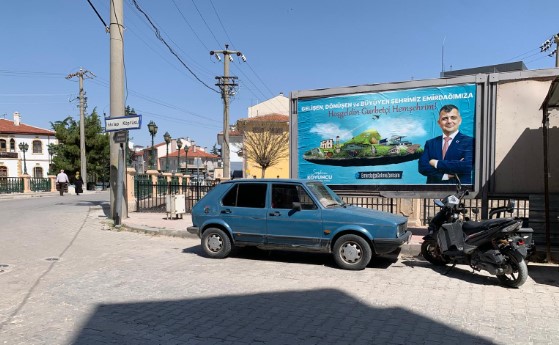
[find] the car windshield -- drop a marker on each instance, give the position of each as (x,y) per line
(325,195)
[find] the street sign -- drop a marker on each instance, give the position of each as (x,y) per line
(120,136)
(113,124)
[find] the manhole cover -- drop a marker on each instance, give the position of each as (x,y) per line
(51,259)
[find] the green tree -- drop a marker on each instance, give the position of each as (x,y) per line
(67,152)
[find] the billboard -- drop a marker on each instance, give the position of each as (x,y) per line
(389,137)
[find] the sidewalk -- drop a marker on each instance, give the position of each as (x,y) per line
(158,224)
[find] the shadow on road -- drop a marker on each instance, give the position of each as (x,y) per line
(547,274)
(296,317)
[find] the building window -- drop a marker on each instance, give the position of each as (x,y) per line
(37,172)
(12,145)
(3,172)
(37,146)
(2,145)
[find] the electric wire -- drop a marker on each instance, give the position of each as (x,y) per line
(98,15)
(190,26)
(207,26)
(158,35)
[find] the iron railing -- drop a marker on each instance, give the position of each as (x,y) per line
(40,184)
(521,211)
(151,197)
(11,185)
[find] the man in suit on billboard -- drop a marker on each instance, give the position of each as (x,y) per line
(449,154)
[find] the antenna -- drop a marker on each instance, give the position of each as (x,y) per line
(442,56)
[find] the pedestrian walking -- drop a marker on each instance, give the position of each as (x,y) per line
(78,183)
(62,182)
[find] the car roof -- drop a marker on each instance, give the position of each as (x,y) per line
(266,180)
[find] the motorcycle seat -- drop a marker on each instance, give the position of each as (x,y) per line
(471,227)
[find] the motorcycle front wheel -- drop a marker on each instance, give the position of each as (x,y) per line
(431,252)
(518,272)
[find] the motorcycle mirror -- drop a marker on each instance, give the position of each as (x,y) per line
(475,210)
(458,183)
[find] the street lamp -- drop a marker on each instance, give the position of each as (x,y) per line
(179,145)
(152,127)
(167,138)
(186,148)
(50,149)
(24,147)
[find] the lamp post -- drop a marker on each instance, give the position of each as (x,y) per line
(167,138)
(186,147)
(179,146)
(24,147)
(51,152)
(152,127)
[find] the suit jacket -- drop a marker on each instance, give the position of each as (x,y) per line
(458,160)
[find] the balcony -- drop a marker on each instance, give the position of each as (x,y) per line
(4,154)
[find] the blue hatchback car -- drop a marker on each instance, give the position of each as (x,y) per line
(289,214)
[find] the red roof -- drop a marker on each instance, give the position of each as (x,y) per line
(8,127)
(268,118)
(192,154)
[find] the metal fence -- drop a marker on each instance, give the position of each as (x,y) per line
(11,185)
(151,197)
(374,202)
(522,210)
(39,184)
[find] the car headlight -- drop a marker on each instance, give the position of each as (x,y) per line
(402,228)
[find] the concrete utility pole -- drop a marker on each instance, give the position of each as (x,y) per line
(556,37)
(81,74)
(227,85)
(119,209)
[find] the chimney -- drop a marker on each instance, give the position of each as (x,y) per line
(17,118)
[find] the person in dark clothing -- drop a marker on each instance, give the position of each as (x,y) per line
(78,183)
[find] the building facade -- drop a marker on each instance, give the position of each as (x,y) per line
(24,148)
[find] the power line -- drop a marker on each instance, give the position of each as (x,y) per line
(158,35)
(190,26)
(99,16)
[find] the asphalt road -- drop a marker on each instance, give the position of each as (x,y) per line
(66,277)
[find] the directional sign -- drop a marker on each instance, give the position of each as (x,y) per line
(113,124)
(120,137)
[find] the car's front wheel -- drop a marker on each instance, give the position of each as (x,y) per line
(352,252)
(216,243)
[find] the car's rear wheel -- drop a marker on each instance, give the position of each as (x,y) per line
(352,252)
(216,243)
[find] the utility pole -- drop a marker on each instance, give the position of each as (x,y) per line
(227,85)
(119,209)
(81,74)
(556,37)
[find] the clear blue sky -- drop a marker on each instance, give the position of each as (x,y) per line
(290,45)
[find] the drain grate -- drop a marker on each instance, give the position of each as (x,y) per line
(51,259)
(4,265)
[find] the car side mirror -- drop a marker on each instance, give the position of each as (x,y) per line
(297,206)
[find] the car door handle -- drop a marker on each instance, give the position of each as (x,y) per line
(274,214)
(226,211)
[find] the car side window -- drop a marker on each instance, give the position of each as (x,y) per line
(284,195)
(246,195)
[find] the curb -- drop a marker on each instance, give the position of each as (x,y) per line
(157,231)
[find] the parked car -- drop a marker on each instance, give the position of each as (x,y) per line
(288,214)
